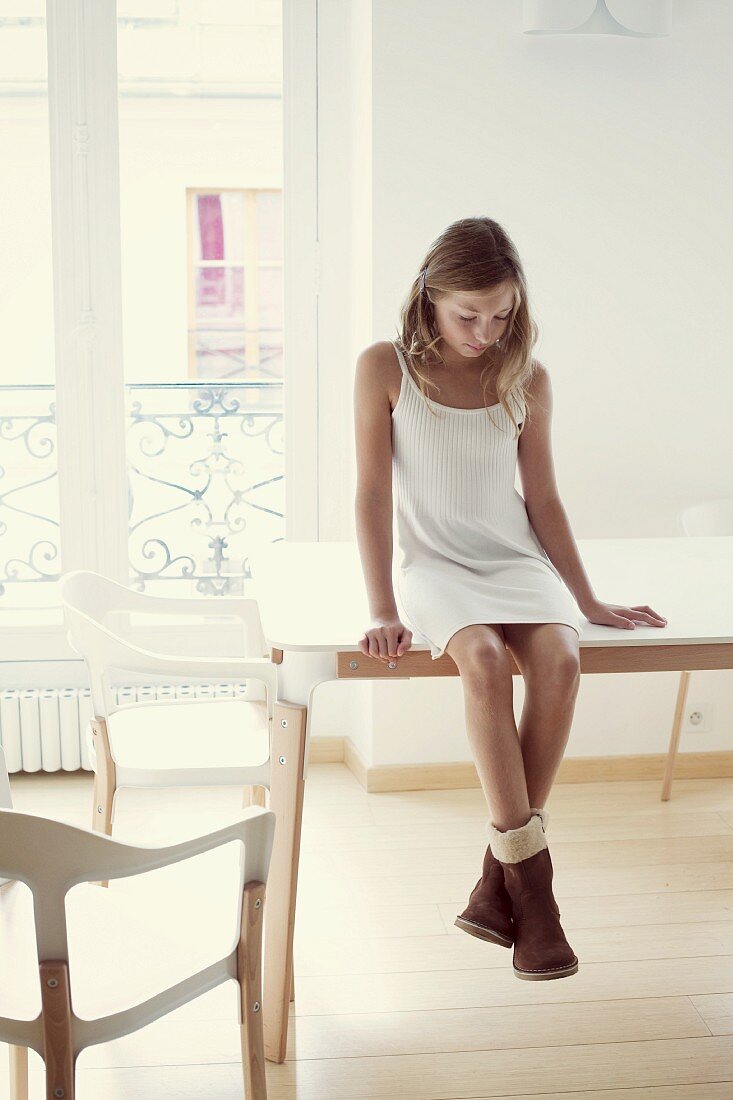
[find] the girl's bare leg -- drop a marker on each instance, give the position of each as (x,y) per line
(547,655)
(482,660)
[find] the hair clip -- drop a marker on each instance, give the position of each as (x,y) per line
(423,273)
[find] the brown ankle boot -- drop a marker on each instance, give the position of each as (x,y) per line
(541,951)
(488,915)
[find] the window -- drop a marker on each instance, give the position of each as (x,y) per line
(160,461)
(235,307)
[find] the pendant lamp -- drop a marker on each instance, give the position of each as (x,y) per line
(635,18)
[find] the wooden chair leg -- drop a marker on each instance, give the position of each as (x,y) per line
(674,739)
(57,1045)
(105,780)
(249,975)
(287,788)
(254,795)
(18,1073)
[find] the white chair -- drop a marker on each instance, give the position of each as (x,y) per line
(710,517)
(170,742)
(59,937)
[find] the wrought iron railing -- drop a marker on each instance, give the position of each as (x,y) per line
(29,515)
(205,482)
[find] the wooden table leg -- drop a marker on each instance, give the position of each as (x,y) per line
(674,739)
(287,788)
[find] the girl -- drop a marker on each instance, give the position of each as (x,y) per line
(482,568)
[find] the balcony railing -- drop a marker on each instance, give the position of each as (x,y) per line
(205,484)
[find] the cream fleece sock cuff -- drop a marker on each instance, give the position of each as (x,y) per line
(543,814)
(514,845)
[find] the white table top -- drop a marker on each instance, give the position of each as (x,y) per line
(313,598)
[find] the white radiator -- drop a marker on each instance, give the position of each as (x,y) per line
(44,729)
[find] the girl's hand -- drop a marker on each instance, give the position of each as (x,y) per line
(385,639)
(612,614)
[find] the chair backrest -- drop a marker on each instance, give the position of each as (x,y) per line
(709,517)
(101,599)
(51,857)
(97,612)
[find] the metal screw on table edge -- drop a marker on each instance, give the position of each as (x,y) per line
(99,809)
(281,759)
(52,982)
(59,1093)
(392,664)
(353,664)
(256,1006)
(258,903)
(284,723)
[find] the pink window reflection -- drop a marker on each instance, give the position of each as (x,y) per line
(211,227)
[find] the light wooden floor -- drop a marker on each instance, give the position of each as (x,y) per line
(394,1002)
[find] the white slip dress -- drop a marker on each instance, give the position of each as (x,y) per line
(469,553)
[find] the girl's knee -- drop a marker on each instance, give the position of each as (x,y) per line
(485,658)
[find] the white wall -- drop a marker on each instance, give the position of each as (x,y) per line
(605,160)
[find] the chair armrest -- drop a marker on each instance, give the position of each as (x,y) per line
(125,656)
(225,668)
(257,668)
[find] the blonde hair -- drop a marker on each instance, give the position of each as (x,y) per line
(473,254)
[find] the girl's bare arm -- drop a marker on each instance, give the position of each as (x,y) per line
(373,502)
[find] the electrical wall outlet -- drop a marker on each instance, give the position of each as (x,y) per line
(699,717)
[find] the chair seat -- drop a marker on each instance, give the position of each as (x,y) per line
(128,942)
(195,734)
